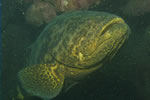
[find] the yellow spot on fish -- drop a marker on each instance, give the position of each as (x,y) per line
(53,68)
(91,46)
(80,56)
(76,48)
(51,71)
(107,35)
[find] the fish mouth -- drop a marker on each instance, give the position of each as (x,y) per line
(110,24)
(112,36)
(114,30)
(108,31)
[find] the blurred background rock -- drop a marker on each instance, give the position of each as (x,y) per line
(137,7)
(39,12)
(126,77)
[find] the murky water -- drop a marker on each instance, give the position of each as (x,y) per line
(125,77)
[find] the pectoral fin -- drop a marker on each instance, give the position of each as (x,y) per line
(41,80)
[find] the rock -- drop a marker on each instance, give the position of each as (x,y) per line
(40,13)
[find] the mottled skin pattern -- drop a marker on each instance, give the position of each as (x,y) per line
(71,46)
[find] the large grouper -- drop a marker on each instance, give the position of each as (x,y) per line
(71,46)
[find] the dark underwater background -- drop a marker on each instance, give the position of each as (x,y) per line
(125,77)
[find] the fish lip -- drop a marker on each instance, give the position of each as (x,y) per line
(110,23)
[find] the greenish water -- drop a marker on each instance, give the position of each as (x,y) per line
(126,77)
